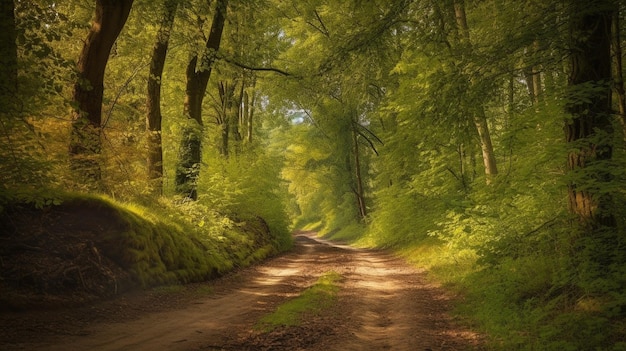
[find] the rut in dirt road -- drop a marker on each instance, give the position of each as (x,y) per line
(382,304)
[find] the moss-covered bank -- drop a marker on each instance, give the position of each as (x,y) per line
(88,247)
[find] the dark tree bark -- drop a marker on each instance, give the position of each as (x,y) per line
(153,103)
(198,74)
(618,77)
(590,129)
(8,55)
(85,138)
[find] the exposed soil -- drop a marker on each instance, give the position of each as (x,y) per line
(383,304)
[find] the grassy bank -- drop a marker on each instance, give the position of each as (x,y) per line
(79,247)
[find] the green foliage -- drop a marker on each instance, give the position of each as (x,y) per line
(38,198)
(247,186)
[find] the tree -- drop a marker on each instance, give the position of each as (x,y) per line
(85,137)
(225,115)
(359,190)
(589,131)
(198,73)
(618,72)
(480,119)
(153,100)
(8,58)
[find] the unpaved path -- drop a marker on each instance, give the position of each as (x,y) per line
(383,304)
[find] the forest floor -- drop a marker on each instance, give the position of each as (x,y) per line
(382,304)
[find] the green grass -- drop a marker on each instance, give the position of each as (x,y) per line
(314,299)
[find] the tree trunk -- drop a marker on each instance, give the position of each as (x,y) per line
(249,99)
(153,101)
(235,117)
(188,168)
(536,76)
(360,195)
(8,56)
(528,78)
(480,120)
(85,143)
(590,129)
(245,114)
(250,118)
(489,159)
(238,122)
(226,116)
(618,77)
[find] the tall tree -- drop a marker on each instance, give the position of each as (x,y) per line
(85,138)
(198,73)
(359,191)
(8,58)
(589,130)
(247,111)
(224,115)
(153,101)
(480,119)
(618,73)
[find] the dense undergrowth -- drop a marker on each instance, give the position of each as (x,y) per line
(76,247)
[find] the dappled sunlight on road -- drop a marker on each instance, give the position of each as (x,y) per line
(394,308)
(382,304)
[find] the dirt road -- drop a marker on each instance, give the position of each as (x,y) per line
(383,304)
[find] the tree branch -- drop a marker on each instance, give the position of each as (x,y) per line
(369,132)
(253,68)
(371,144)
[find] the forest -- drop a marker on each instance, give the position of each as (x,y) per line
(484,140)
